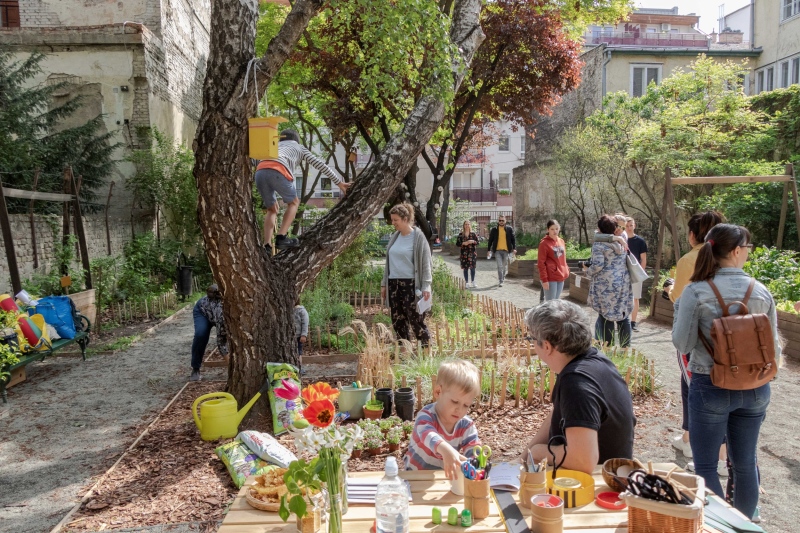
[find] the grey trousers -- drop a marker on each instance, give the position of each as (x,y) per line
(501,256)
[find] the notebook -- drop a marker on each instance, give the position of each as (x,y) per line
(505,476)
(363,489)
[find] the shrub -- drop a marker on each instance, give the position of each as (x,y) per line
(778,269)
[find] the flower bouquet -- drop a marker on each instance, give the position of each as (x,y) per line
(317,433)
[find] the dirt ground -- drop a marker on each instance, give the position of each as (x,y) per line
(72,420)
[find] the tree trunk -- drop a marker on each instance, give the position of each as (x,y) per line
(259,291)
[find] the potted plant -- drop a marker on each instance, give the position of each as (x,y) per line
(373,442)
(305,499)
(393,437)
(373,409)
(8,357)
(385,424)
(408,427)
(358,449)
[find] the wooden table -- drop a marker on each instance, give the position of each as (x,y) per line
(429,489)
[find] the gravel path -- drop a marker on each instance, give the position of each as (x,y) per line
(72,420)
(779,442)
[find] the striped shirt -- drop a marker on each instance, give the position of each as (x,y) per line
(428,434)
(290,153)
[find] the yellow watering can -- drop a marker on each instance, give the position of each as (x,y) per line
(220,418)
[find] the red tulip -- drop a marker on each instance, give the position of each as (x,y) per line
(320,413)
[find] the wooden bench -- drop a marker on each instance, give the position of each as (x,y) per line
(81,339)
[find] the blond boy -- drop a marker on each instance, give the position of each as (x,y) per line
(443,435)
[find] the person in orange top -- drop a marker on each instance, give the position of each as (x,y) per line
(552,262)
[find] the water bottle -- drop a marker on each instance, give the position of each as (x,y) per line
(391,501)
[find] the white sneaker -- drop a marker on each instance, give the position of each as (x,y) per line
(682,446)
(474,285)
(500,284)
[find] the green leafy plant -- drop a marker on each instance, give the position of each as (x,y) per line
(8,357)
(394,435)
(385,424)
(374,405)
(365,424)
(8,319)
(778,269)
(408,427)
(302,481)
(373,441)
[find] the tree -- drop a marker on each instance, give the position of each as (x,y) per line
(32,136)
(259,292)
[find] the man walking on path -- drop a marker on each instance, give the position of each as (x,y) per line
(638,248)
(501,242)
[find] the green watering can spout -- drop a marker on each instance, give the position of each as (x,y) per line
(243,411)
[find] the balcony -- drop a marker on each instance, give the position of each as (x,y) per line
(655,40)
(475,195)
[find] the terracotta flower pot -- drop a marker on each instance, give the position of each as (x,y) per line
(394,447)
(373,414)
(374,451)
(356,454)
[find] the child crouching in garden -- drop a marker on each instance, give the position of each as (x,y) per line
(443,435)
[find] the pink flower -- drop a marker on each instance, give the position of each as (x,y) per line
(288,390)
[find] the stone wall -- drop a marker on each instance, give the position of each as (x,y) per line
(533,201)
(48,231)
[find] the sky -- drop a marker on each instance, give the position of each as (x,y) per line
(707,10)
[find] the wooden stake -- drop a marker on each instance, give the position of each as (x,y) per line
(466,333)
(541,382)
(319,339)
(403,382)
(531,381)
(528,355)
(419,393)
(491,391)
(503,388)
(439,339)
(518,377)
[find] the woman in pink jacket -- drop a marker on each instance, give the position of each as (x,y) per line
(552,262)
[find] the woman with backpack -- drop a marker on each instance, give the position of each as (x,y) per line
(735,402)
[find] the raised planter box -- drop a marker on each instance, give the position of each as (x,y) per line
(576,292)
(663,310)
(574,266)
(789,327)
(522,268)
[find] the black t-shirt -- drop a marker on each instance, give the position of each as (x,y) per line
(637,246)
(590,393)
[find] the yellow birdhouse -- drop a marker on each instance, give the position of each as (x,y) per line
(264,137)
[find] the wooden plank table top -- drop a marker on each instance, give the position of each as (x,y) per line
(429,489)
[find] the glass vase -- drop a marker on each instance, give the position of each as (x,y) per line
(343,487)
(333,476)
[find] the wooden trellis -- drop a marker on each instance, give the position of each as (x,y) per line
(788,179)
(71,202)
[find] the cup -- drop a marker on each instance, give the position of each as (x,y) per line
(457,484)
(476,497)
(533,483)
(547,514)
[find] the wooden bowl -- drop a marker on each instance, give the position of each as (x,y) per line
(259,504)
(616,483)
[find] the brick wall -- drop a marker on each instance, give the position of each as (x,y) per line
(37,13)
(94,226)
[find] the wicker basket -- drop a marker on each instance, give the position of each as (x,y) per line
(648,516)
(259,504)
(610,467)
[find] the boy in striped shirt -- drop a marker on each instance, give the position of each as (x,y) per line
(276,176)
(443,435)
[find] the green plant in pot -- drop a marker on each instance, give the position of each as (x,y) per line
(408,427)
(393,438)
(373,442)
(305,499)
(358,449)
(373,409)
(386,424)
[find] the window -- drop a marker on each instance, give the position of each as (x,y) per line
(503,143)
(503,180)
(325,184)
(642,76)
(760,82)
(522,144)
(651,30)
(770,79)
(9,13)
(790,9)
(796,70)
(784,74)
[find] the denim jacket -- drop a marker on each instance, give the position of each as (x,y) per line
(698,306)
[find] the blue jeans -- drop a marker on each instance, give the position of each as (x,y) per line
(202,331)
(467,271)
(554,290)
(715,413)
(501,257)
(604,331)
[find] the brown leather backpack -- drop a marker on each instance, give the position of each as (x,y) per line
(743,346)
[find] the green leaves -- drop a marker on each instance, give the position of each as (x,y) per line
(303,479)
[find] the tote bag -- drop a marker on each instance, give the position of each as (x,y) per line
(636,271)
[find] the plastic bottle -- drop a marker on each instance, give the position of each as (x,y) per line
(391,501)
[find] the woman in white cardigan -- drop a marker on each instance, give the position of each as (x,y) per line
(407,275)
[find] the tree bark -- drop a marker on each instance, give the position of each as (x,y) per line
(259,291)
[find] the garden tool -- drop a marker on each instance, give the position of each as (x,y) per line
(220,415)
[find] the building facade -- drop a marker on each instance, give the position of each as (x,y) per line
(776,31)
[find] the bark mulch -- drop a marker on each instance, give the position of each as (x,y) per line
(172,476)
